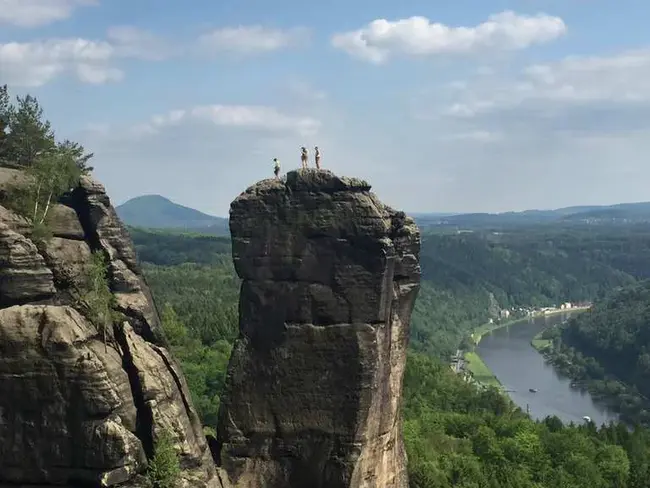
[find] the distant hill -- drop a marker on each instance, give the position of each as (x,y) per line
(622,213)
(158,212)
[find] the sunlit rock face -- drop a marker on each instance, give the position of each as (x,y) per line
(329,279)
(81,406)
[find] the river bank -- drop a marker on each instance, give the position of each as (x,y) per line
(476,367)
(486,328)
(539,343)
(479,371)
(606,390)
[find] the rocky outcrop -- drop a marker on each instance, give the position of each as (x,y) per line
(313,395)
(76,409)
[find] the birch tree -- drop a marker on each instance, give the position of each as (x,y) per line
(50,176)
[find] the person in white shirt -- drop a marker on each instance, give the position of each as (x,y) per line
(317,156)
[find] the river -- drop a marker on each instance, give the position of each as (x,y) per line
(519,367)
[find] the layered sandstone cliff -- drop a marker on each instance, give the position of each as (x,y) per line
(330,276)
(75,411)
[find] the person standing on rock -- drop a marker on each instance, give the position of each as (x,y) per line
(276,168)
(304,157)
(317,157)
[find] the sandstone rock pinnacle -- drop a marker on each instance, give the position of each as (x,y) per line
(313,395)
(76,410)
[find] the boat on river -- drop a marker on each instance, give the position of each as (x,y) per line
(533,390)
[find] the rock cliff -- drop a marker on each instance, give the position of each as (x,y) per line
(313,395)
(76,409)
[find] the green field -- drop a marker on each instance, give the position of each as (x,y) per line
(540,344)
(480,372)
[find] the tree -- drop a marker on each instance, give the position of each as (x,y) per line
(486,446)
(175,331)
(52,174)
(50,168)
(78,154)
(614,465)
(30,136)
(96,297)
(25,135)
(164,468)
(553,423)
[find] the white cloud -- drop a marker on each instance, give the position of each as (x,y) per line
(577,94)
(36,63)
(382,39)
(97,74)
(132,42)
(254,39)
(615,78)
(35,13)
(256,117)
(572,131)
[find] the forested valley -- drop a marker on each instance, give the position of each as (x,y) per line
(457,435)
(607,350)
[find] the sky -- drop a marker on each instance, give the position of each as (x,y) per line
(463,106)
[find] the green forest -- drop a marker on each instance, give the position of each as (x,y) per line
(457,435)
(607,350)
(467,276)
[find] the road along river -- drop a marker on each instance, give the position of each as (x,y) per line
(520,368)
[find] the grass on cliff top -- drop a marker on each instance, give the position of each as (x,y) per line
(480,372)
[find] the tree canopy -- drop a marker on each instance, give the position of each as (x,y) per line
(51,167)
(27,137)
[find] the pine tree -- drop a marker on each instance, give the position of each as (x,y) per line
(78,154)
(27,138)
(30,136)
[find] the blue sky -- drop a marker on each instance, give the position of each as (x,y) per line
(477,105)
